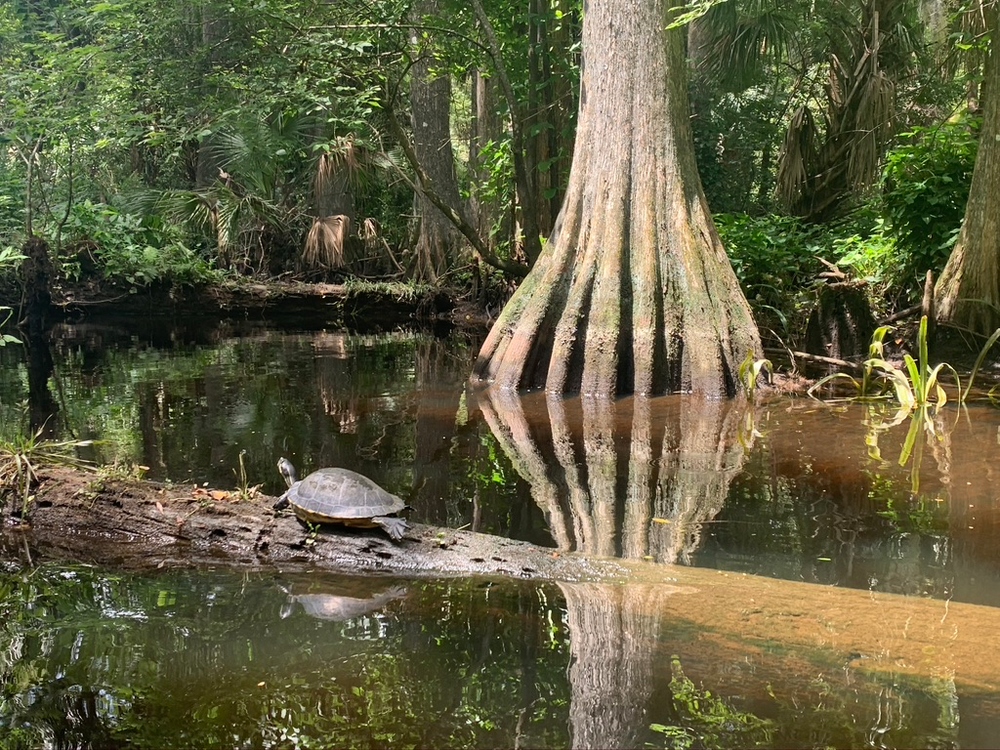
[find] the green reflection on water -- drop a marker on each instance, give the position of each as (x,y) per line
(90,658)
(215,660)
(806,498)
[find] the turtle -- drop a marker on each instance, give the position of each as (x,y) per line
(335,495)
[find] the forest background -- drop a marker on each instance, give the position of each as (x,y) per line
(428,143)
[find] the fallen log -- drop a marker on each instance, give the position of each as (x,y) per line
(116,522)
(89,518)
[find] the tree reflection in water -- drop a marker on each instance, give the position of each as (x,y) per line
(633,478)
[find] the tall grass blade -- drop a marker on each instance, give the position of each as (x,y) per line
(979,363)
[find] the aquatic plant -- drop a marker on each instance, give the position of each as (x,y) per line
(749,372)
(918,385)
(700,719)
(915,385)
(869,387)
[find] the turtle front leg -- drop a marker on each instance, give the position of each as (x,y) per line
(394,527)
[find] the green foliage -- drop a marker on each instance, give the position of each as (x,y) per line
(925,186)
(129,248)
(774,259)
(872,256)
(9,257)
(701,720)
(735,136)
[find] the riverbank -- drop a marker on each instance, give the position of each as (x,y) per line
(357,304)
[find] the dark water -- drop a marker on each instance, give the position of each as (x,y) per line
(793,489)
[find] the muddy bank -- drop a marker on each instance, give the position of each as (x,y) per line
(114,522)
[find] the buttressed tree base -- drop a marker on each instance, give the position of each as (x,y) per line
(634,292)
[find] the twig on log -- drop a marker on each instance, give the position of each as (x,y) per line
(828,360)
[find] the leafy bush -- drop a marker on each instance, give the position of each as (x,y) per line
(775,260)
(872,256)
(925,187)
(128,248)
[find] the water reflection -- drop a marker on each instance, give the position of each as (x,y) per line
(614,632)
(803,491)
(340,599)
(91,659)
(634,478)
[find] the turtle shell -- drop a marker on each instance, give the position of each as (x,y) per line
(341,496)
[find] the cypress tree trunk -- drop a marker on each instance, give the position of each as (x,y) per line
(968,293)
(634,292)
(430,98)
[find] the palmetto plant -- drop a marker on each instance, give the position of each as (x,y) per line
(253,198)
(842,65)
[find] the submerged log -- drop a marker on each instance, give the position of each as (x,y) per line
(116,522)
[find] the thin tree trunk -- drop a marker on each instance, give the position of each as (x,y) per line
(214,26)
(486,127)
(968,292)
(634,292)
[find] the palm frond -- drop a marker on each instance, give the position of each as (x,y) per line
(797,154)
(325,243)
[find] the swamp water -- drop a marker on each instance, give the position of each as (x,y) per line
(794,490)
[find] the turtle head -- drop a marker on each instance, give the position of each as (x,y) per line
(287,471)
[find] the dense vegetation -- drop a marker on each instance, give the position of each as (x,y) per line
(166,141)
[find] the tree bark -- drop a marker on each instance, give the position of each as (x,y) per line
(486,127)
(634,292)
(968,292)
(430,98)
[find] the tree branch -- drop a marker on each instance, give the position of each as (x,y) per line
(427,188)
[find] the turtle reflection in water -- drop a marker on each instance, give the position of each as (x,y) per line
(340,601)
(341,496)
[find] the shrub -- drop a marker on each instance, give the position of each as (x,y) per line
(131,249)
(925,187)
(775,261)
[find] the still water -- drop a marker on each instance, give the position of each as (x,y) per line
(793,490)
